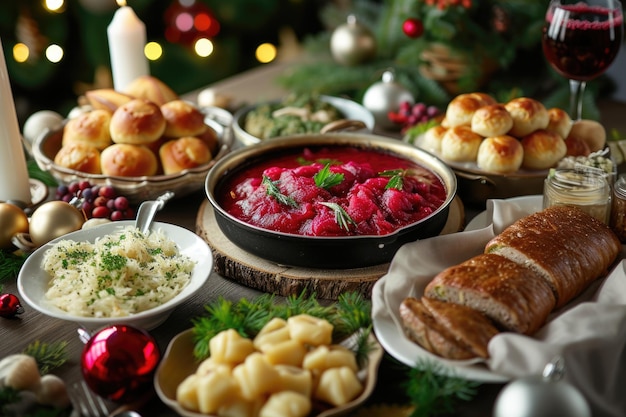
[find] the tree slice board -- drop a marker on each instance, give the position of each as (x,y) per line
(252,271)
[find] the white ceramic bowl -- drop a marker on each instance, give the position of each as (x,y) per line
(351,110)
(138,189)
(32,281)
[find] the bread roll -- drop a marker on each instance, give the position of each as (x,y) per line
(543,149)
(432,139)
(566,246)
(80,157)
(559,122)
(423,329)
(184,153)
(460,144)
(528,115)
(125,160)
(591,132)
(152,89)
(138,122)
(516,298)
(461,109)
(182,119)
(492,120)
(90,128)
(500,154)
(106,99)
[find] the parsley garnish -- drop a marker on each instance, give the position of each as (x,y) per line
(111,262)
(272,190)
(325,178)
(342,217)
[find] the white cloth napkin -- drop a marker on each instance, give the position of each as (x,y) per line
(589,333)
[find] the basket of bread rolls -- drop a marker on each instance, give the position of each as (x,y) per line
(502,150)
(143,141)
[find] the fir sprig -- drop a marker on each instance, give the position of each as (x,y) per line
(342,217)
(325,178)
(10,264)
(271,189)
(49,356)
(249,316)
(434,391)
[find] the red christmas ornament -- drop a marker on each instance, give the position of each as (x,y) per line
(118,362)
(10,306)
(413,28)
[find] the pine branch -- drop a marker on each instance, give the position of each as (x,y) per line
(49,356)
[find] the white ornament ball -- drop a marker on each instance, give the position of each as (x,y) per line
(38,122)
(386,96)
(352,43)
(541,396)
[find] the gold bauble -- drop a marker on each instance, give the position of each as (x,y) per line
(54,219)
(12,221)
(352,43)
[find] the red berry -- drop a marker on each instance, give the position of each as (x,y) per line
(101,212)
(100,201)
(107,191)
(83,185)
(73,187)
(121,203)
(413,28)
(117,215)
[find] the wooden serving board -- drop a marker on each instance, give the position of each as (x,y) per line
(250,270)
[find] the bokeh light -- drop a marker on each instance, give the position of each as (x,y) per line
(54,5)
(266,52)
(153,51)
(21,52)
(54,53)
(203,47)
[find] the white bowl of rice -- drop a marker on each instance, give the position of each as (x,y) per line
(114,274)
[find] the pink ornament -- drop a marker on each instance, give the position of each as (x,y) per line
(118,362)
(413,28)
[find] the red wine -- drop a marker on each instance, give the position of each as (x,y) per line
(581,41)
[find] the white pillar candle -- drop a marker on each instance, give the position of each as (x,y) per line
(14,182)
(127,40)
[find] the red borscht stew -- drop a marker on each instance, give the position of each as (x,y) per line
(332,191)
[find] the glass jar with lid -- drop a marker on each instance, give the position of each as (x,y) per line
(618,209)
(587,188)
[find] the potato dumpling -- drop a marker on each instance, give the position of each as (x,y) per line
(338,386)
(228,346)
(286,404)
(310,330)
(274,331)
(255,376)
(325,357)
(288,352)
(294,378)
(215,390)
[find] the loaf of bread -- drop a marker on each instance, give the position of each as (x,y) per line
(516,298)
(566,246)
(535,266)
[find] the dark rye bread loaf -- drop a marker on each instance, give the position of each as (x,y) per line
(567,247)
(515,297)
(448,330)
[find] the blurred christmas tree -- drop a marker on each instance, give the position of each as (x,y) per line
(57,49)
(437,49)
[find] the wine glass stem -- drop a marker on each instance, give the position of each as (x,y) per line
(577,91)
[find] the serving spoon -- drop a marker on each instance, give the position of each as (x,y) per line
(148,209)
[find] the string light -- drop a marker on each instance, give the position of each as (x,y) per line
(20,52)
(153,51)
(54,5)
(203,47)
(54,53)
(266,52)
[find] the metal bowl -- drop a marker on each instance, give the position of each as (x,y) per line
(351,110)
(326,252)
(137,189)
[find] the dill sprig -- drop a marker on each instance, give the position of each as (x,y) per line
(342,217)
(435,391)
(249,316)
(271,189)
(325,178)
(48,356)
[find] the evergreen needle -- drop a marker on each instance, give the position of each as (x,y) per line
(342,217)
(325,178)
(271,189)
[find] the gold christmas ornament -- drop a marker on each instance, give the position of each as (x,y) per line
(352,43)
(12,221)
(54,219)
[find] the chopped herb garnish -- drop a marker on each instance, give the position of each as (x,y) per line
(342,217)
(325,178)
(272,190)
(396,179)
(111,262)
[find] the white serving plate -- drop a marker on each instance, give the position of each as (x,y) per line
(32,281)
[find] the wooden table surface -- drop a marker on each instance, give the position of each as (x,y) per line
(16,334)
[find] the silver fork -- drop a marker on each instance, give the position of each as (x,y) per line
(85,402)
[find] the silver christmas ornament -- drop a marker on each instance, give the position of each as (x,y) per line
(542,396)
(386,96)
(352,43)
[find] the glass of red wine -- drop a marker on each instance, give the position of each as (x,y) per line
(581,38)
